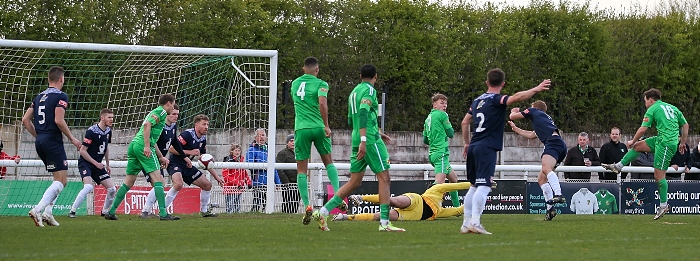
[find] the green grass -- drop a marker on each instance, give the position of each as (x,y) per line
(283,237)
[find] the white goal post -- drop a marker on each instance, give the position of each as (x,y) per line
(236,88)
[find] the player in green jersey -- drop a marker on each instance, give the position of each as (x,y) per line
(368,149)
(669,121)
(144,155)
(311,126)
(437,129)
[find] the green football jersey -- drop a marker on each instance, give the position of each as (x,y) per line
(667,119)
(157,119)
(305,92)
(607,204)
(363,96)
(435,128)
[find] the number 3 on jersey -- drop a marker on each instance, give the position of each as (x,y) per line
(301,92)
(481,122)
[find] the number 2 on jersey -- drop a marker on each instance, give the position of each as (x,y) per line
(481,122)
(300,91)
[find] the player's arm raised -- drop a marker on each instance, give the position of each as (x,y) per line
(527,134)
(524,95)
(60,113)
(27,121)
(515,114)
(466,132)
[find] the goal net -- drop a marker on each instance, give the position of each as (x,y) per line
(233,87)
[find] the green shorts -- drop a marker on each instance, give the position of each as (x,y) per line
(136,161)
(376,157)
(663,152)
(303,139)
(441,163)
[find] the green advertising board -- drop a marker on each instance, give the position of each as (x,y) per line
(17,197)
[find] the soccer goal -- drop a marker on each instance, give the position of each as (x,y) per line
(236,88)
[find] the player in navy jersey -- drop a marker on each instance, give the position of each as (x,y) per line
(94,149)
(166,139)
(194,143)
(488,115)
(44,119)
(554,151)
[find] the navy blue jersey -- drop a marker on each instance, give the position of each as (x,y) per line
(96,141)
(44,106)
(489,114)
(543,124)
(166,138)
(189,141)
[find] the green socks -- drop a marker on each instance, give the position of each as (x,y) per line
(334,202)
(629,157)
(121,193)
(160,196)
(455,198)
(663,191)
(333,177)
(303,188)
(384,211)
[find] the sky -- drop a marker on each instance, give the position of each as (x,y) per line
(618,5)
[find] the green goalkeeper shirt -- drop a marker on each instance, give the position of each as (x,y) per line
(364,96)
(157,119)
(305,92)
(435,129)
(667,119)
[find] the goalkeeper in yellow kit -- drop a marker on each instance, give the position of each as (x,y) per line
(411,206)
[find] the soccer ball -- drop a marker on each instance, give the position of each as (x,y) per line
(205,160)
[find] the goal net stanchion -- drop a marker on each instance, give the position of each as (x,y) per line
(236,88)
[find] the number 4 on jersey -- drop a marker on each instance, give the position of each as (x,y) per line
(301,92)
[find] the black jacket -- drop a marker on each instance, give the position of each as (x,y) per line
(682,160)
(612,152)
(286,155)
(574,157)
(695,157)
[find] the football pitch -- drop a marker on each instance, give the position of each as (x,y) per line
(283,237)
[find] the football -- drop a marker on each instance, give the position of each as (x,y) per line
(205,160)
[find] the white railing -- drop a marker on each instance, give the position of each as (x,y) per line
(346,166)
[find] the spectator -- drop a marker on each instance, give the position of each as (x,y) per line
(612,152)
(257,152)
(645,159)
(4,156)
(235,181)
(288,177)
(680,160)
(581,155)
(695,158)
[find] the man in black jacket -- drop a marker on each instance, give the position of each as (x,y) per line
(695,158)
(581,155)
(612,152)
(681,160)
(288,177)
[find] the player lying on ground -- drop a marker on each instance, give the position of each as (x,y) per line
(411,206)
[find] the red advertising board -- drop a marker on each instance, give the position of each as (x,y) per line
(187,201)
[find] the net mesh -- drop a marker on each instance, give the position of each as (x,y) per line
(232,90)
